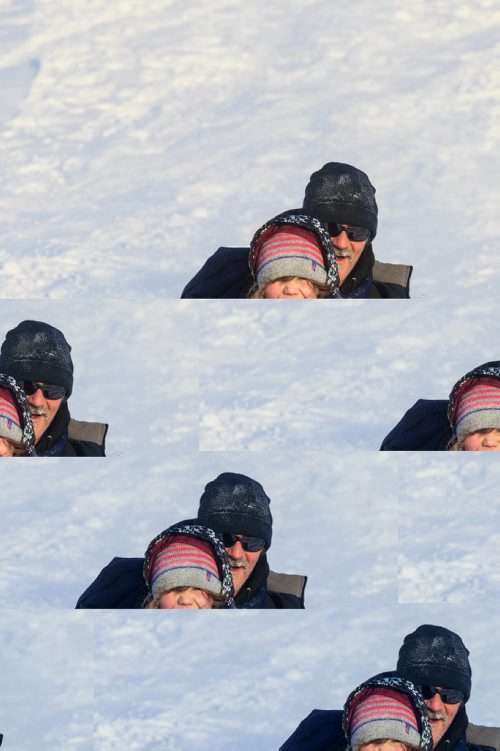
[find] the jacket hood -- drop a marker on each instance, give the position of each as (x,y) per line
(17,392)
(389,680)
(194,529)
(488,369)
(309,223)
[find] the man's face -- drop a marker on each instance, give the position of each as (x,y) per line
(42,410)
(441,716)
(347,252)
(242,563)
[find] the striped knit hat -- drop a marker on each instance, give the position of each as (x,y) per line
(477,406)
(383,713)
(184,561)
(285,251)
(10,420)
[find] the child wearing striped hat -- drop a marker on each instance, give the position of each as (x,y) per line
(16,427)
(386,714)
(186,567)
(474,410)
(291,256)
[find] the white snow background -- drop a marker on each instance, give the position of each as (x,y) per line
(449,528)
(138,138)
(188,683)
(330,377)
(46,691)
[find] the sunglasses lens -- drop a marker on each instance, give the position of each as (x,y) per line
(249,544)
(358,234)
(50,391)
(253,544)
(448,695)
(452,695)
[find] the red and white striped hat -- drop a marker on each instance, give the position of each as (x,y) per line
(383,713)
(288,251)
(10,420)
(185,561)
(478,407)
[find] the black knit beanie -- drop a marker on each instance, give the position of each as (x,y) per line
(236,503)
(36,351)
(434,656)
(343,194)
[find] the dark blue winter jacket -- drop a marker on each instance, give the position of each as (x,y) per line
(424,427)
(121,585)
(226,274)
(322,730)
(319,731)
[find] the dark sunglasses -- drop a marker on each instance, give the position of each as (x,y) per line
(358,234)
(448,695)
(249,544)
(49,390)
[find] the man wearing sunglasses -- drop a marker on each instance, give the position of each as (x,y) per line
(237,508)
(436,660)
(38,356)
(342,197)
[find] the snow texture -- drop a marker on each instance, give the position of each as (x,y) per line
(449,534)
(137,138)
(332,376)
(249,683)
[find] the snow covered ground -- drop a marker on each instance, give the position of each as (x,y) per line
(449,535)
(188,683)
(329,376)
(137,138)
(46,691)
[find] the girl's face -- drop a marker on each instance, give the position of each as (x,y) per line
(483,440)
(186,597)
(289,287)
(384,745)
(6,447)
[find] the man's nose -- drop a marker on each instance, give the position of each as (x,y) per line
(36,398)
(341,241)
(236,550)
(435,704)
